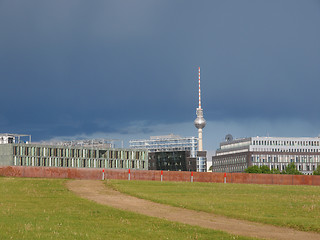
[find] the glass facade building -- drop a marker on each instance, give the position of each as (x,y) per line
(172,161)
(90,156)
(166,143)
(172,152)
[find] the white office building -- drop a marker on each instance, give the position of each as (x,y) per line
(235,155)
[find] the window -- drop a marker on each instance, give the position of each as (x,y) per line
(15,150)
(38,151)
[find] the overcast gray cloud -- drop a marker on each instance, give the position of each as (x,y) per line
(129,68)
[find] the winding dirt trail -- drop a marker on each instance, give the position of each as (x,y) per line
(98,192)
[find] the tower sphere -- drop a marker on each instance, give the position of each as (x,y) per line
(200,122)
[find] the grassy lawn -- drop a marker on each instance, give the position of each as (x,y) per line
(45,209)
(291,206)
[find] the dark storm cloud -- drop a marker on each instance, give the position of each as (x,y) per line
(77,67)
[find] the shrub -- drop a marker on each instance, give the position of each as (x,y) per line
(291,169)
(317,171)
(265,169)
(253,169)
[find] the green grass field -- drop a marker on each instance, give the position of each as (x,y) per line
(297,207)
(45,209)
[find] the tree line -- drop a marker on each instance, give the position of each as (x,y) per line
(290,169)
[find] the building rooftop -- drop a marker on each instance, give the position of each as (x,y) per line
(163,143)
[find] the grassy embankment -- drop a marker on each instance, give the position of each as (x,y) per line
(297,207)
(45,209)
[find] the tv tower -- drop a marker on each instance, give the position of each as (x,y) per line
(200,122)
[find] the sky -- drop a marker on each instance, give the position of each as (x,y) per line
(128,69)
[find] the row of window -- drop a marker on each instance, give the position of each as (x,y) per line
(234,145)
(170,149)
(285,143)
(315,150)
(155,145)
(232,168)
(282,167)
(78,163)
(284,158)
(76,153)
(218,153)
(229,160)
(201,164)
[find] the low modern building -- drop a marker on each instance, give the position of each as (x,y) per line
(172,152)
(171,161)
(235,155)
(79,154)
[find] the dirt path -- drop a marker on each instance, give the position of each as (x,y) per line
(98,192)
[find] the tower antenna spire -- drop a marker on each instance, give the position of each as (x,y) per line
(199,91)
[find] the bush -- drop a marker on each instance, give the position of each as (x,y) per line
(253,169)
(265,169)
(275,171)
(256,169)
(317,171)
(291,169)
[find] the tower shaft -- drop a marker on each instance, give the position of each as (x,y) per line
(200,147)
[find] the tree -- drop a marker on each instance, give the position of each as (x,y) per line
(275,171)
(265,169)
(291,169)
(253,169)
(317,171)
(210,168)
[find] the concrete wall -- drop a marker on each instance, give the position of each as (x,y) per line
(6,154)
(97,174)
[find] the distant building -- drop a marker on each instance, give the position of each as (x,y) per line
(78,154)
(166,143)
(172,161)
(170,152)
(235,155)
(12,138)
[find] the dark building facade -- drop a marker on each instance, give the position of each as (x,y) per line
(172,161)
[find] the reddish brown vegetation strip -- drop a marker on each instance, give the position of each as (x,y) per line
(98,192)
